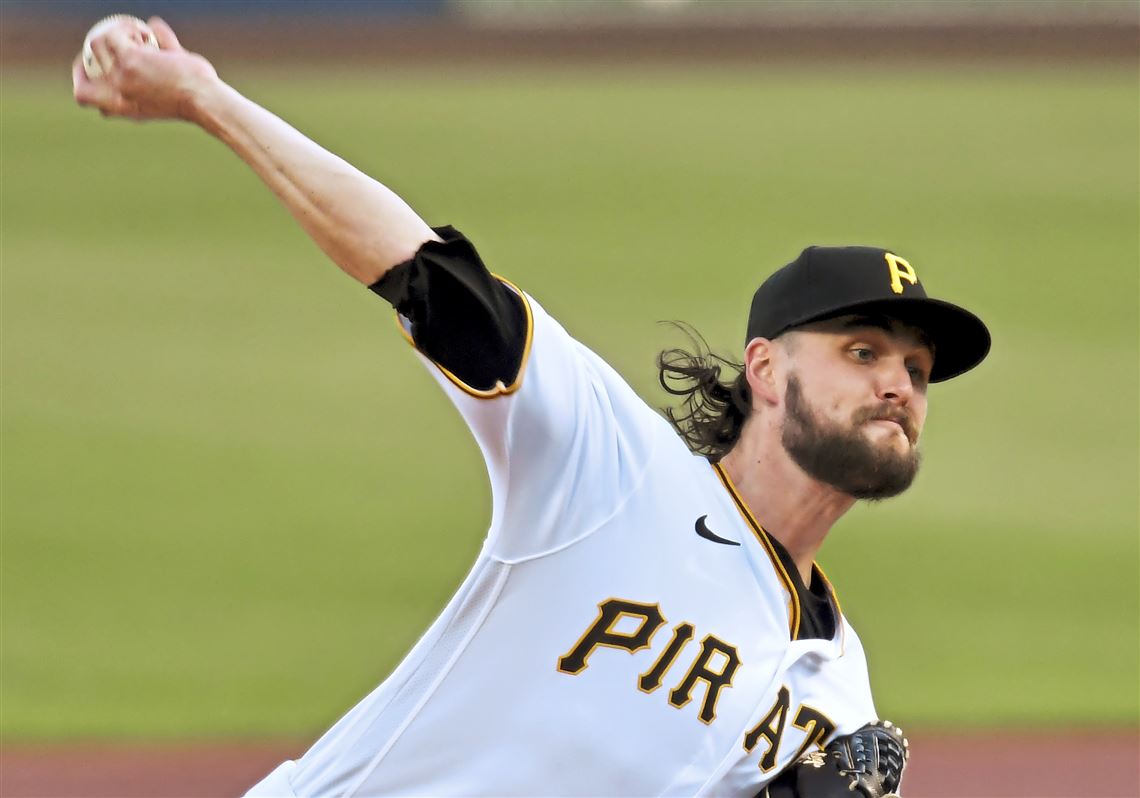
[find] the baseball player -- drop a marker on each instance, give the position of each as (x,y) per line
(645,616)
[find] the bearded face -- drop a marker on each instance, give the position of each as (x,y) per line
(842,454)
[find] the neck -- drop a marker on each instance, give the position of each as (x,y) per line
(791,506)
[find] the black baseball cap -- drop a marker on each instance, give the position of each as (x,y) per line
(824,282)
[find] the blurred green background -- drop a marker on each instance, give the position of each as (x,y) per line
(232,499)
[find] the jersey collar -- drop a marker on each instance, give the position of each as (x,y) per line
(782,565)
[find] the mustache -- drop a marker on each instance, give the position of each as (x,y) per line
(887,412)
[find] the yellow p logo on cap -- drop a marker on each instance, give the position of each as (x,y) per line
(900,270)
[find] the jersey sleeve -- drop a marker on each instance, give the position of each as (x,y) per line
(565,439)
(460,316)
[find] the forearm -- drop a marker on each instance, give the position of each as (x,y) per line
(363,226)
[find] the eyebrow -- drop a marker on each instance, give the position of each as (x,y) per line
(884,323)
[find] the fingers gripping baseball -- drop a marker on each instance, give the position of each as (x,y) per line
(140,82)
(164,33)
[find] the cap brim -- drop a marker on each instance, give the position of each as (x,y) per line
(961,340)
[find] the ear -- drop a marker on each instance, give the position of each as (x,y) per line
(761,373)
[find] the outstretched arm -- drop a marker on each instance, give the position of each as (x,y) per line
(363,226)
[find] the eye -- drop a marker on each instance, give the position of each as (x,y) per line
(862,354)
(917,374)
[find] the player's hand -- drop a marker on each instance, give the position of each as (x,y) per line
(142,82)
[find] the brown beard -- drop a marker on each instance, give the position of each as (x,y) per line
(842,456)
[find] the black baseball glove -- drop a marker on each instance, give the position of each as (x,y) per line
(866,764)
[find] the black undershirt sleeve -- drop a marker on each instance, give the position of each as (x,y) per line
(462,316)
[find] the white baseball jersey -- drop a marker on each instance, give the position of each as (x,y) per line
(627,628)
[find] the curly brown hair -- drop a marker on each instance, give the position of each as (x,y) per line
(711,415)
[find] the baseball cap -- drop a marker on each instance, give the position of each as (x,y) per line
(824,282)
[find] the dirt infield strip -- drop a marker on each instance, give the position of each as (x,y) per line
(1081,765)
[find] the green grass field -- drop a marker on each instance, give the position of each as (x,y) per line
(232,499)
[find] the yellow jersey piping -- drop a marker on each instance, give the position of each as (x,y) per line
(838,609)
(762,536)
(498,389)
(830,587)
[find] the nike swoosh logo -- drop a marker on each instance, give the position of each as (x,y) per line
(708,534)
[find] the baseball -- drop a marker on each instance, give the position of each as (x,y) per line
(141,34)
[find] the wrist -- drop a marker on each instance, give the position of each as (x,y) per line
(205,101)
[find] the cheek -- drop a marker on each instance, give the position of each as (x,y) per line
(918,410)
(843,394)
(839,407)
(836,401)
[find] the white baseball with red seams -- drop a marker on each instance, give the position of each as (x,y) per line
(141,34)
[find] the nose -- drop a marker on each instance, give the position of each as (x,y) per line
(895,384)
